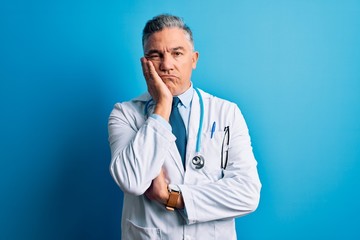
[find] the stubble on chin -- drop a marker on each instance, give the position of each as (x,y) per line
(170,85)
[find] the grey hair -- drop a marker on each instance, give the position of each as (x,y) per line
(162,21)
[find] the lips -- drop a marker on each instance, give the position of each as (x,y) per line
(168,76)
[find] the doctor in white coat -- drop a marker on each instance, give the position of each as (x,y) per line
(166,197)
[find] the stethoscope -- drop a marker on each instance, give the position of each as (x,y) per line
(198,160)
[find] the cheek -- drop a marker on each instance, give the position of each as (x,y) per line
(187,69)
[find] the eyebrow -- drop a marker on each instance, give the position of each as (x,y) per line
(151,51)
(178,48)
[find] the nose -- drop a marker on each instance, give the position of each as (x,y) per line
(166,63)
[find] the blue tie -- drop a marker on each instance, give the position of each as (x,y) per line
(178,128)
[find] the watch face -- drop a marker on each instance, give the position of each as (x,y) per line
(174,187)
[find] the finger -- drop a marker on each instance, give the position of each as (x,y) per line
(152,72)
(145,68)
(147,76)
(162,174)
(149,194)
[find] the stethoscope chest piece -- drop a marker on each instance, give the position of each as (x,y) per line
(198,161)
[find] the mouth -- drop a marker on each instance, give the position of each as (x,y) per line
(168,76)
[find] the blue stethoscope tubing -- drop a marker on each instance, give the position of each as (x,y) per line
(201,122)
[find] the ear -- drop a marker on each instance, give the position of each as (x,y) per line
(195,57)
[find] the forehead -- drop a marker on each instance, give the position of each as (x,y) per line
(168,38)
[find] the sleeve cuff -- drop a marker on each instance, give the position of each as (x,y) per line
(161,120)
(189,211)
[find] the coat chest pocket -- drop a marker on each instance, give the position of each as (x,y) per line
(211,147)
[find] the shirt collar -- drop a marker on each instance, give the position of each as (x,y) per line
(186,97)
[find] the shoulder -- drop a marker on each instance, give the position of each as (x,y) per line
(135,102)
(226,111)
(214,101)
(133,108)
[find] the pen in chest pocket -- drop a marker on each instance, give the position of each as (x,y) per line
(213,129)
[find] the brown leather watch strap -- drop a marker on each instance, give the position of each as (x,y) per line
(172,201)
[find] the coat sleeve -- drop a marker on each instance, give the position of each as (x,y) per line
(138,147)
(237,193)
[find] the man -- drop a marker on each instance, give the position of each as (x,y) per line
(202,166)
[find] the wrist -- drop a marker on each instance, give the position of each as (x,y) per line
(175,199)
(180,202)
(163,108)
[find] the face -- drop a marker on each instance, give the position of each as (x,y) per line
(171,52)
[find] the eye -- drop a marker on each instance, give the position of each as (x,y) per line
(177,53)
(153,56)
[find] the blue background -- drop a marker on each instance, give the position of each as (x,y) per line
(293,67)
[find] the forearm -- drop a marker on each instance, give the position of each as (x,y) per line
(137,156)
(226,198)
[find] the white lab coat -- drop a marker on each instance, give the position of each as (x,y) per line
(141,146)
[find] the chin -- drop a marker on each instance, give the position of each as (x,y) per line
(171,86)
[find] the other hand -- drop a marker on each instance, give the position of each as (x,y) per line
(158,190)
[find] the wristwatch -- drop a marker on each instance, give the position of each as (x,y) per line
(174,194)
